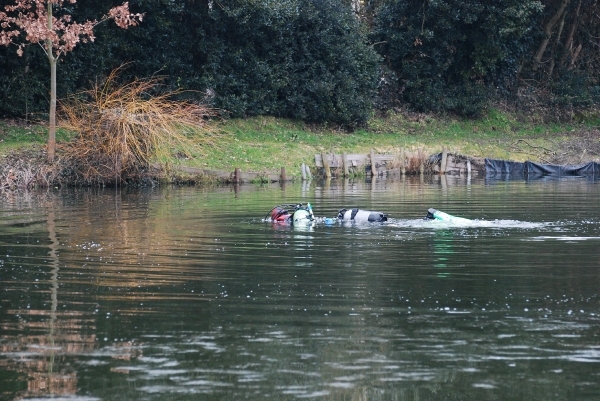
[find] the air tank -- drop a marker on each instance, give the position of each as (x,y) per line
(361,216)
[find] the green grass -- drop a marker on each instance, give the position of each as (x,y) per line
(15,136)
(265,144)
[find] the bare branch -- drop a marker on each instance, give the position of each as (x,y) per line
(548,33)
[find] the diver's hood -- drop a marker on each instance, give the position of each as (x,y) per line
(434,214)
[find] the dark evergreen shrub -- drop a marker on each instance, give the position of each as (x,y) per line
(575,89)
(450,55)
(304,59)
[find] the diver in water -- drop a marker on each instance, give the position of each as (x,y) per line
(298,213)
(301,213)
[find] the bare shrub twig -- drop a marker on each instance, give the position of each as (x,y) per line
(121,129)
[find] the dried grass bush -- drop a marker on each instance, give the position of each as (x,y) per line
(123,128)
(415,160)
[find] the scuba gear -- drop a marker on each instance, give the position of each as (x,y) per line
(301,216)
(299,213)
(278,213)
(433,214)
(360,215)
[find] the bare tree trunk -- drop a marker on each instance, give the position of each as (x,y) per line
(561,26)
(556,44)
(52,125)
(551,68)
(569,42)
(548,34)
(52,116)
(575,55)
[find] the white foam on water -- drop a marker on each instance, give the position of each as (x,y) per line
(464,223)
(456,222)
(344,385)
(314,394)
(585,355)
(560,238)
(486,386)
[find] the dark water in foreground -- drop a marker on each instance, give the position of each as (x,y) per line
(184,294)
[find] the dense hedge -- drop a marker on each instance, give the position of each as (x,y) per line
(450,55)
(323,60)
(303,59)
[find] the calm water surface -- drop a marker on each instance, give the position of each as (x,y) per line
(186,294)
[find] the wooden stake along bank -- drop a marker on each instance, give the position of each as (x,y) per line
(378,164)
(350,164)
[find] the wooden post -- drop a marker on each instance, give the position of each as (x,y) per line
(308,173)
(303,171)
(373,167)
(444,161)
(345,163)
(236,175)
(327,185)
(444,183)
(326,165)
(402,162)
(282,176)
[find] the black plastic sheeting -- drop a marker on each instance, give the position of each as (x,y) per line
(495,167)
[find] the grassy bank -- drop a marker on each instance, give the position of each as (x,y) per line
(265,144)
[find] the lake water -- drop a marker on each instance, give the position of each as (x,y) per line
(186,294)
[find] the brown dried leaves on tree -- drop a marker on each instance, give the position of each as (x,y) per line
(37,22)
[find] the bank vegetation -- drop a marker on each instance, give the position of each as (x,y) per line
(498,78)
(265,144)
